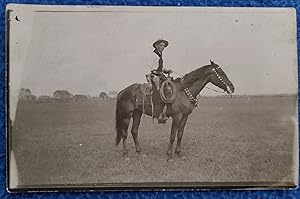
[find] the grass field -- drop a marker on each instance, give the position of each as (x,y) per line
(242,139)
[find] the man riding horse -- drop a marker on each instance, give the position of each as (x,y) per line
(157,75)
(131,103)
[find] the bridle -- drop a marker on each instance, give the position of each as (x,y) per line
(219,77)
(194,99)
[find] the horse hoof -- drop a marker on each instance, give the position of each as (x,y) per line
(138,151)
(144,155)
(125,153)
(177,152)
(170,159)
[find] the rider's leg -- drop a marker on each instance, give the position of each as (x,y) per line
(156,81)
(149,83)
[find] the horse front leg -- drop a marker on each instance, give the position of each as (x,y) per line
(175,124)
(180,134)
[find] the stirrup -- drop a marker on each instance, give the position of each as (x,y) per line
(162,119)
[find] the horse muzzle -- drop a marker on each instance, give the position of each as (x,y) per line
(230,89)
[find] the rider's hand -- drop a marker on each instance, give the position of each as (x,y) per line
(167,71)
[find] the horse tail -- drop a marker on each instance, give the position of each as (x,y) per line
(122,116)
(118,125)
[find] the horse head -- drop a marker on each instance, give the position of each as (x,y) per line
(220,79)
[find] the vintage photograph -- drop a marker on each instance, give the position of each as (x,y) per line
(108,97)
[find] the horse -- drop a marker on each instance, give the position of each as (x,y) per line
(188,88)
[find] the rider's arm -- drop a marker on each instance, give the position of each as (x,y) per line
(167,71)
(159,69)
(154,61)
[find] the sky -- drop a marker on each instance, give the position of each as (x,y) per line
(108,49)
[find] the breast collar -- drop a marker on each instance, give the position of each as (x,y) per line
(189,94)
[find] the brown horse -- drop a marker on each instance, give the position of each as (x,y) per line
(188,88)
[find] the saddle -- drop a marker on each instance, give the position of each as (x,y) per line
(154,100)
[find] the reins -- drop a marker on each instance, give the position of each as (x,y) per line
(181,76)
(215,90)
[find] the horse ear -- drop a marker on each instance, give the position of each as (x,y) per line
(211,62)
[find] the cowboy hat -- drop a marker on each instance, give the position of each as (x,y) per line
(159,41)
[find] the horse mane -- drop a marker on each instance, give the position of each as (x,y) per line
(193,76)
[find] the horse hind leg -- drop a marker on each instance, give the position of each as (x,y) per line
(134,129)
(125,134)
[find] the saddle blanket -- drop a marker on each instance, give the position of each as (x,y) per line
(144,97)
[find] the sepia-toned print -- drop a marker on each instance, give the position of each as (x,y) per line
(151,97)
